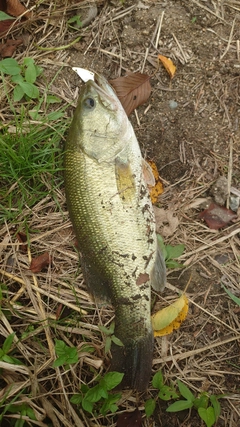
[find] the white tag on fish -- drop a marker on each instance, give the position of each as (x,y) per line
(85,75)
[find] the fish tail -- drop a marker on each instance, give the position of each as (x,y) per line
(134,359)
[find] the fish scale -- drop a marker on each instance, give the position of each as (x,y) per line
(112,215)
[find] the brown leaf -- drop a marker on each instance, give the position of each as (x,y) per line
(40,262)
(217,216)
(8,48)
(15,8)
(22,238)
(130,419)
(133,90)
(5,25)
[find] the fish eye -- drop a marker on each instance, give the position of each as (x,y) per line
(89,103)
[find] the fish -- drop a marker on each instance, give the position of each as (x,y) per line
(108,200)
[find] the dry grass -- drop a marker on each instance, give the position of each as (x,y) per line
(204,352)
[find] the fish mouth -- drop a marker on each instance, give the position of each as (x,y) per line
(106,93)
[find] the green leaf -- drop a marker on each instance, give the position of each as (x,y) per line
(150,406)
(30,89)
(108,343)
(30,73)
(39,70)
(18,93)
(117,341)
(10,66)
(30,413)
(112,379)
(207,415)
(216,406)
(173,264)
(28,61)
(87,405)
(60,347)
(94,394)
(232,296)
(157,381)
(67,355)
(105,330)
(8,343)
(52,99)
(55,115)
(202,401)
(174,251)
(76,399)
(167,393)
(34,114)
(60,361)
(7,359)
(4,16)
(180,405)
(110,404)
(17,78)
(185,392)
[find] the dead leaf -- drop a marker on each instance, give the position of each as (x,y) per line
(168,65)
(40,262)
(170,318)
(157,189)
(166,221)
(22,238)
(5,25)
(130,419)
(133,90)
(217,216)
(8,48)
(15,8)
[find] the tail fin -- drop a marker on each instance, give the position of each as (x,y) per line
(134,359)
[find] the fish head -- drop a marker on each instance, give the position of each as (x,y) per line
(100,125)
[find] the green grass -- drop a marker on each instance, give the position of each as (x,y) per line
(30,163)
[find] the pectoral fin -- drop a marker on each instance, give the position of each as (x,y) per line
(148,174)
(158,273)
(125,181)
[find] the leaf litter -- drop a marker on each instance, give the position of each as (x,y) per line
(203,356)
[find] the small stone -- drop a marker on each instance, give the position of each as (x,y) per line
(219,191)
(173,104)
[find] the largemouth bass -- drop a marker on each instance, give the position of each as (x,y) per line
(111,211)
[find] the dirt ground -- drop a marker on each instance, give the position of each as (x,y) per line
(190,128)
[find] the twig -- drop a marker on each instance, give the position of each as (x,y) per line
(230,169)
(229,40)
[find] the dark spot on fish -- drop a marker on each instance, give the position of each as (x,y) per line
(134,257)
(143,190)
(144,286)
(124,301)
(122,255)
(134,272)
(150,241)
(136,297)
(148,259)
(145,208)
